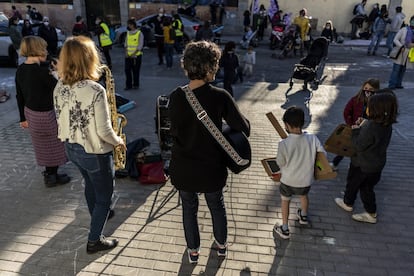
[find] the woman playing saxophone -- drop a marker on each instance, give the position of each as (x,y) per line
(84,124)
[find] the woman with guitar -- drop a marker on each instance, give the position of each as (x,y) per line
(198,163)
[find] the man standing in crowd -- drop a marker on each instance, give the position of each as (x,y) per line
(396,24)
(134,43)
(359,18)
(104,39)
(156,23)
(49,34)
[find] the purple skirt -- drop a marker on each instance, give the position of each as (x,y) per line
(49,150)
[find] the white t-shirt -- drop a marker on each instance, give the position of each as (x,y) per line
(296,158)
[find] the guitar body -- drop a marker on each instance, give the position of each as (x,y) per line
(241,144)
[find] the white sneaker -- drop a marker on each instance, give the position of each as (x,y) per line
(365,217)
(340,202)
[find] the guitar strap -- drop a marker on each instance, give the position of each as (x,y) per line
(203,117)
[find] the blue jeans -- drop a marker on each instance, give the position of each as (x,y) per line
(215,203)
(376,39)
(98,173)
(397,76)
(390,41)
(169,51)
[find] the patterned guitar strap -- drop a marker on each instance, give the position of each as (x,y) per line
(203,117)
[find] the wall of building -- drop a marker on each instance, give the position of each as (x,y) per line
(340,12)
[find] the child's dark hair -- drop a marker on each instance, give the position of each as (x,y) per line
(294,116)
(383,107)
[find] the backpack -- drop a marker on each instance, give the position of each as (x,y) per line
(112,34)
(355,11)
(172,33)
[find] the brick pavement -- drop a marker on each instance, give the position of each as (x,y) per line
(43,231)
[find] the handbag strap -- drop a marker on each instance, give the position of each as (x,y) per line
(203,117)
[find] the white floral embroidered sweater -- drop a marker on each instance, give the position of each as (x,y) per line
(83,116)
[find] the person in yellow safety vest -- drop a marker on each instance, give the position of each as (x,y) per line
(169,41)
(105,42)
(179,34)
(134,43)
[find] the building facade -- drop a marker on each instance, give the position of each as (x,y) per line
(62,13)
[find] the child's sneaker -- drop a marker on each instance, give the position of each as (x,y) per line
(340,202)
(302,219)
(365,217)
(284,234)
(193,255)
(221,249)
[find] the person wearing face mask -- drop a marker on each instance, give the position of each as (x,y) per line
(105,42)
(49,34)
(404,38)
(27,28)
(355,109)
(329,31)
(156,24)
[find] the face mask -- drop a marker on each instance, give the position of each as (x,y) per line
(128,28)
(96,22)
(160,14)
(46,23)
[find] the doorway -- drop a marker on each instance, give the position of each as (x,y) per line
(109,9)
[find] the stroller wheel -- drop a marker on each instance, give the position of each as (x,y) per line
(314,85)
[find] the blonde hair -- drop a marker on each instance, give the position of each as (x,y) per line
(33,46)
(79,60)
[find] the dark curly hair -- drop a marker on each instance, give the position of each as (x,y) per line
(200,59)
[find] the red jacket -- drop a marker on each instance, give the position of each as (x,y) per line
(353,110)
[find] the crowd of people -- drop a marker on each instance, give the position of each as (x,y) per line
(70,120)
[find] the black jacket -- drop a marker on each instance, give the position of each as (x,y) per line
(198,161)
(371,142)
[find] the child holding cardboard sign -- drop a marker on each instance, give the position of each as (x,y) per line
(296,158)
(371,138)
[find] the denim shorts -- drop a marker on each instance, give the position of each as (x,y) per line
(286,191)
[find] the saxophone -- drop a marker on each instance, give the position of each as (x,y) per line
(118,120)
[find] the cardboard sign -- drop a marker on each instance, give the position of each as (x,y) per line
(323,170)
(339,142)
(271,168)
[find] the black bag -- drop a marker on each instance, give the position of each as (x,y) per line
(396,51)
(241,144)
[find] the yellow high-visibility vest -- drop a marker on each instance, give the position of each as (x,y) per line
(178,31)
(132,43)
(104,38)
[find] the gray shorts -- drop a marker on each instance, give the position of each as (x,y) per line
(286,191)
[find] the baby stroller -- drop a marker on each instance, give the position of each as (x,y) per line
(276,36)
(290,42)
(307,69)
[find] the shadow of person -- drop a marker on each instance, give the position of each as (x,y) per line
(280,249)
(186,268)
(245,272)
(214,262)
(65,210)
(300,98)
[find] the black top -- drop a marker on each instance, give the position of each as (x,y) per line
(34,88)
(371,142)
(198,161)
(229,62)
(49,34)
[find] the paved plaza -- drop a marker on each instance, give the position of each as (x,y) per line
(44,230)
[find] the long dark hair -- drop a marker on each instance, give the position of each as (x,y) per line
(383,107)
